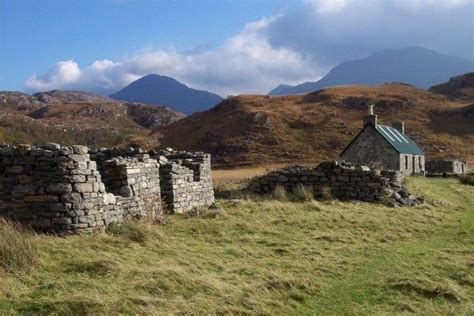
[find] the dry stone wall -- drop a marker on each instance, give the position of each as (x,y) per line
(186,180)
(69,189)
(341,180)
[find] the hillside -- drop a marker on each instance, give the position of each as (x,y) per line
(77,117)
(255,129)
(457,87)
(417,66)
(154,89)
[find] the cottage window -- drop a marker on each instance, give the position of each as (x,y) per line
(406,162)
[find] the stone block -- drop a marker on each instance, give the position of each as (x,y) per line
(80,150)
(14,169)
(78,178)
(59,188)
(126,191)
(83,187)
(66,150)
(41,198)
(52,146)
(7,151)
(109,198)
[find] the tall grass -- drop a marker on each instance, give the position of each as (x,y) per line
(279,193)
(141,232)
(303,193)
(18,248)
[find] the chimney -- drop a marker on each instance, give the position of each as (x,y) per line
(400,126)
(370,118)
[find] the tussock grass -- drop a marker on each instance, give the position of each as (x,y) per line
(279,193)
(266,256)
(136,231)
(303,194)
(18,248)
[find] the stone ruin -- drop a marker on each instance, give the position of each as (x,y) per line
(449,167)
(71,189)
(340,180)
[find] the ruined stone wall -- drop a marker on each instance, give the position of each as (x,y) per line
(69,189)
(59,189)
(340,180)
(446,166)
(186,180)
(372,149)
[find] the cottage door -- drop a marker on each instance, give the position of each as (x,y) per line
(413,164)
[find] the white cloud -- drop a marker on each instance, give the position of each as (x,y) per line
(416,5)
(63,72)
(298,44)
(328,6)
(245,63)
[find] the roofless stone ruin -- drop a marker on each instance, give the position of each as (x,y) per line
(72,189)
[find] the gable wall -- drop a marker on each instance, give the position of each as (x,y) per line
(370,148)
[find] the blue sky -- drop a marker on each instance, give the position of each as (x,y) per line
(36,34)
(224,46)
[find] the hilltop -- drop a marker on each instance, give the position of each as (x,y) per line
(255,129)
(457,87)
(418,66)
(155,89)
(77,117)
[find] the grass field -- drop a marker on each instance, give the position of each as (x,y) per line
(267,257)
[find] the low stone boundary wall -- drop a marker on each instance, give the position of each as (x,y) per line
(341,180)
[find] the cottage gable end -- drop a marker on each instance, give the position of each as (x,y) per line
(369,147)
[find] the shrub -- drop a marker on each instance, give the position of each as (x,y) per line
(18,248)
(303,193)
(279,193)
(467,179)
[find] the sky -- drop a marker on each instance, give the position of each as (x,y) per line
(223,46)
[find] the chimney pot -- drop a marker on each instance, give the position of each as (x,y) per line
(400,126)
(370,118)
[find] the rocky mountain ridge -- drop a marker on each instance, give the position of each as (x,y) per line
(413,65)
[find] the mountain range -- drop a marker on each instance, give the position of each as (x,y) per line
(417,66)
(162,90)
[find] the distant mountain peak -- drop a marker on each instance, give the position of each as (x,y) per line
(418,66)
(162,90)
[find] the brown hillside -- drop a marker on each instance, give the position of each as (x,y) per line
(457,87)
(311,127)
(100,121)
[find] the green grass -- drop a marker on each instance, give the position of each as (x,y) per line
(266,257)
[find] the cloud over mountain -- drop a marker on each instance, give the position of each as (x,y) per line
(300,43)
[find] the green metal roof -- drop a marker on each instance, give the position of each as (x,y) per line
(401,142)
